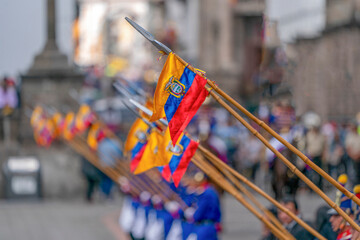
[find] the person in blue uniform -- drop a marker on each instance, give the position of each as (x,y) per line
(203,219)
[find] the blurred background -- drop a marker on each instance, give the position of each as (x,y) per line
(291,63)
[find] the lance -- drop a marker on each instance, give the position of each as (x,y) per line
(231,173)
(144,181)
(221,181)
(247,193)
(213,86)
(139,91)
(223,166)
(79,144)
(138,183)
(293,168)
(160,184)
(147,183)
(76,145)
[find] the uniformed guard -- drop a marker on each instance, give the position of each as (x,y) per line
(142,211)
(203,219)
(342,179)
(127,214)
(338,223)
(356,209)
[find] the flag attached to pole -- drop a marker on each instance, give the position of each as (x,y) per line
(84,118)
(180,159)
(137,131)
(96,134)
(69,126)
(155,153)
(171,160)
(178,95)
(136,154)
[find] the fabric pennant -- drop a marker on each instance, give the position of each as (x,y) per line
(178,95)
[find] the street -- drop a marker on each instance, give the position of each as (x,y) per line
(73,220)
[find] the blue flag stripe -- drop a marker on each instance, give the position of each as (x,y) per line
(175,160)
(173,102)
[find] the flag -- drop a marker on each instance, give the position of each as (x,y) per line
(69,126)
(182,154)
(178,95)
(36,116)
(44,132)
(155,153)
(137,131)
(160,151)
(84,118)
(58,121)
(96,134)
(136,154)
(165,172)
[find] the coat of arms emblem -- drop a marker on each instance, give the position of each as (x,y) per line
(177,150)
(175,87)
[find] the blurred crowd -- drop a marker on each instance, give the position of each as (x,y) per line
(333,146)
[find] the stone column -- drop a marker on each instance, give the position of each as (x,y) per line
(48,82)
(51,26)
(50,61)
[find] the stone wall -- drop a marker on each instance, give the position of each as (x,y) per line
(60,165)
(326,78)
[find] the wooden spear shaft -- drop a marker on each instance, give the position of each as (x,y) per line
(166,188)
(287,144)
(75,145)
(221,165)
(252,198)
(140,182)
(221,181)
(136,182)
(287,162)
(157,187)
(276,135)
(87,152)
(148,184)
(143,184)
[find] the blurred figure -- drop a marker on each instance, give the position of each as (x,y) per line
(250,154)
(315,149)
(282,179)
(292,226)
(352,145)
(110,152)
(338,223)
(333,155)
(93,177)
(282,115)
(203,219)
(322,222)
(266,233)
(356,209)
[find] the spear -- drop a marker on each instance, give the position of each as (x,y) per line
(227,169)
(139,183)
(231,177)
(221,181)
(293,168)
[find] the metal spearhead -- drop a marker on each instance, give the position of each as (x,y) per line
(149,37)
